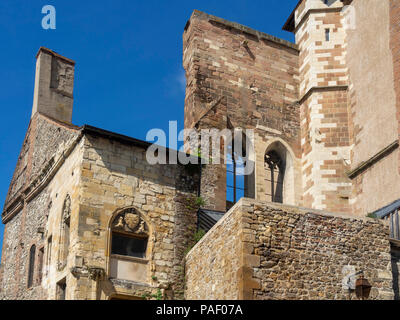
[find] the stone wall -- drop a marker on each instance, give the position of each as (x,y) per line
(238,77)
(394,10)
(9,259)
(26,218)
(212,266)
(289,253)
(116,175)
(325,134)
(371,52)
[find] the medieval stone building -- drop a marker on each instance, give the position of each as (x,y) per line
(87,217)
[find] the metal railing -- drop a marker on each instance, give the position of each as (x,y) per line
(393,218)
(391,214)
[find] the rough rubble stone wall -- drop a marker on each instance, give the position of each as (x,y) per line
(302,253)
(290,253)
(117,175)
(50,138)
(19,177)
(45,137)
(8,288)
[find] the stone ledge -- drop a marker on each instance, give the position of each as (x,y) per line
(240,27)
(295,209)
(363,166)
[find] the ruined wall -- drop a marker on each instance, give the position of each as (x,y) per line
(291,253)
(254,74)
(373,104)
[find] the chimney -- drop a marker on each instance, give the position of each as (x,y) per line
(54,86)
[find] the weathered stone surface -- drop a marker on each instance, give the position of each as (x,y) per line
(302,259)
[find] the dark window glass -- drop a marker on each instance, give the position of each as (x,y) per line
(327,34)
(128,246)
(32,253)
(275,176)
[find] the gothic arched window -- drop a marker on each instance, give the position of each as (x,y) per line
(235,178)
(31,267)
(64,234)
(129,235)
(275,167)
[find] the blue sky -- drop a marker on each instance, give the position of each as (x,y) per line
(129,76)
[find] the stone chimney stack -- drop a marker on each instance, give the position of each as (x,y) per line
(54,86)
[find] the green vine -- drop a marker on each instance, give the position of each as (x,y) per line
(196,238)
(158,295)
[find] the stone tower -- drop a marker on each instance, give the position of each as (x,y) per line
(323,95)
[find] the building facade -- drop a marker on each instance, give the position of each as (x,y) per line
(87,217)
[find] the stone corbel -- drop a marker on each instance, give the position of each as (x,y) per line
(96,273)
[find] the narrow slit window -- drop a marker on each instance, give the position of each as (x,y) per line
(327,34)
(31,270)
(235,178)
(40,265)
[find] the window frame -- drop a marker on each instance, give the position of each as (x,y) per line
(132,236)
(235,186)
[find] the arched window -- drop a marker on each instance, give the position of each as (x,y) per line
(235,184)
(31,268)
(129,235)
(275,167)
(130,247)
(279,173)
(64,234)
(239,170)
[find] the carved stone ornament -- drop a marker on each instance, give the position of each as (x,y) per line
(130,221)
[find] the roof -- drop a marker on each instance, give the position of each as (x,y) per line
(290,22)
(54,54)
(87,129)
(115,136)
(383,212)
(208,218)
